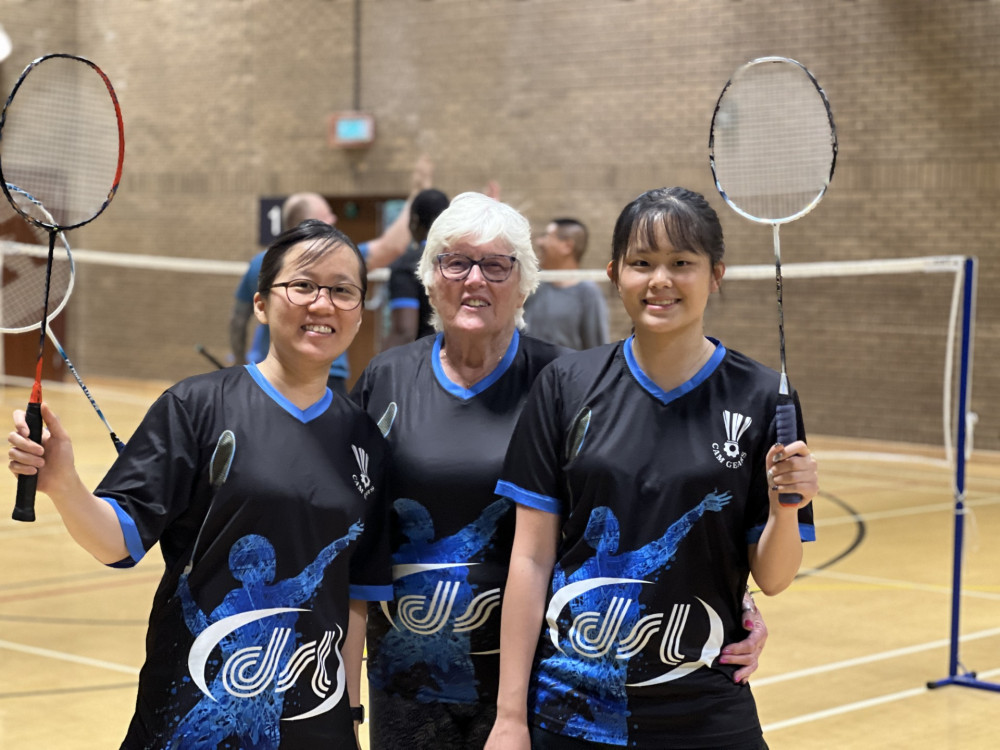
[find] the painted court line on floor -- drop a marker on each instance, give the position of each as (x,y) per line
(897,584)
(61,656)
(871,658)
(859,705)
(903,512)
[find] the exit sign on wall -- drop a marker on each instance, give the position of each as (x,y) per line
(350,130)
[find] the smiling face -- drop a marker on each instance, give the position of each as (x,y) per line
(665,289)
(474,305)
(319,332)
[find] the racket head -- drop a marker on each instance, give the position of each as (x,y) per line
(773,142)
(24,249)
(62,141)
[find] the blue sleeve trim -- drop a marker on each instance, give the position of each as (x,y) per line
(807,533)
(133,542)
(363,249)
(527,498)
(404,303)
(371,593)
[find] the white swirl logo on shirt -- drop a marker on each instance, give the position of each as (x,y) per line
(596,634)
(427,615)
(270,664)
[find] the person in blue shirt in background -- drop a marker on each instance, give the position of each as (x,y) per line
(378,253)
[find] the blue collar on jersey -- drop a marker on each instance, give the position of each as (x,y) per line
(667,396)
(482,385)
(306,415)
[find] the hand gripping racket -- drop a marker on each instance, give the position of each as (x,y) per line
(62,142)
(772,149)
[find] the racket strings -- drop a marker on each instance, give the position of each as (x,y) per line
(22,292)
(773,145)
(23,259)
(61,140)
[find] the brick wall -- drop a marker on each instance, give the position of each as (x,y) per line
(575,106)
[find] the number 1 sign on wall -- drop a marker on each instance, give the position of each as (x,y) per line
(270,219)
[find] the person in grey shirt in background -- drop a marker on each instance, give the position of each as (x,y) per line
(566,313)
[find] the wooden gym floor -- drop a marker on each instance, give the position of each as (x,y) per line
(852,643)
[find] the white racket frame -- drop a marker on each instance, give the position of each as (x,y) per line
(833,141)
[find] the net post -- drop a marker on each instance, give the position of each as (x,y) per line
(955,676)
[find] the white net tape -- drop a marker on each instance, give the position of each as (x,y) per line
(893,270)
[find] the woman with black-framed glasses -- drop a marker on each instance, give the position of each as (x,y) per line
(457,266)
(264,491)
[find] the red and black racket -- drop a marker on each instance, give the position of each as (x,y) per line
(62,142)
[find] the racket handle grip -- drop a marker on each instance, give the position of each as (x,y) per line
(24,504)
(786,421)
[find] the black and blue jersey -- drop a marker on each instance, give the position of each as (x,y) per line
(659,495)
(264,544)
(438,641)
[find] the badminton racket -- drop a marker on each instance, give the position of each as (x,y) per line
(23,266)
(62,142)
(209,356)
(772,149)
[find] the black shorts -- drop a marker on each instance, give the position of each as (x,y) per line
(542,740)
(399,723)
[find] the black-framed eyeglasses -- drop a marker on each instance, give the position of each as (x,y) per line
(303,292)
(495,268)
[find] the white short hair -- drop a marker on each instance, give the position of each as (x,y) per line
(475,219)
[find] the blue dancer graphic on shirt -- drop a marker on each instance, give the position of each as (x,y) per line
(254,629)
(436,607)
(605,628)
